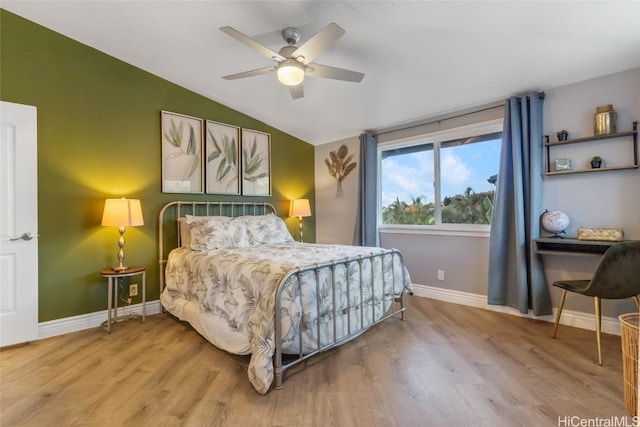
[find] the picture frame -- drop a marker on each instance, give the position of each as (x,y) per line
(181,153)
(222,158)
(256,163)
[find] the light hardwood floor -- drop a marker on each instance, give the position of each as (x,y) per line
(446,365)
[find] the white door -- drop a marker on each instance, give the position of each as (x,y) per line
(18,224)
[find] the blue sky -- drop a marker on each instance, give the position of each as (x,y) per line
(411,175)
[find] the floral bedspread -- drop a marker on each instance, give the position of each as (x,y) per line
(236,288)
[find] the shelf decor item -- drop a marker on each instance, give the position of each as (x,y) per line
(555,222)
(604,122)
(562,135)
(596,162)
(601,234)
(563,164)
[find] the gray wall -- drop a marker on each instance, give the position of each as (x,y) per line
(336,216)
(463,259)
(605,199)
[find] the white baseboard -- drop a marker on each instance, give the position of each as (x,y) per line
(67,325)
(577,319)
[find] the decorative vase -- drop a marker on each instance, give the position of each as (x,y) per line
(604,122)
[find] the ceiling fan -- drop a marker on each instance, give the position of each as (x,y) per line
(294,62)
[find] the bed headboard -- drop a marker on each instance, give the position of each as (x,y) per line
(168,232)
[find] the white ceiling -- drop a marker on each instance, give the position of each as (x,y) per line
(420,58)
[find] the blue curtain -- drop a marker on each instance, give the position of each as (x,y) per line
(365,233)
(516,275)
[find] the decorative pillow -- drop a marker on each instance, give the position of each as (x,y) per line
(215,232)
(194,219)
(265,229)
(185,233)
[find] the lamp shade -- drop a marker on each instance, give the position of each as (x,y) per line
(290,72)
(122,213)
(300,208)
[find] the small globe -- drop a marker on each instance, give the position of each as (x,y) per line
(555,222)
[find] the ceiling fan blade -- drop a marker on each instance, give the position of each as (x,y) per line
(317,44)
(251,73)
(296,91)
(260,48)
(327,72)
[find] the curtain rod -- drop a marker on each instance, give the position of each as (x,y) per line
(493,107)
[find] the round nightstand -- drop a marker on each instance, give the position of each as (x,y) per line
(113,276)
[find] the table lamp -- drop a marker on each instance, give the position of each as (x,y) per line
(300,208)
(122,213)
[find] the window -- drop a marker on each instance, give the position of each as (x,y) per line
(457,167)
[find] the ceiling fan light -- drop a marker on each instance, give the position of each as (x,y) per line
(290,72)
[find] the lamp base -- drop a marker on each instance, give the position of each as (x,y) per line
(120,267)
(300,227)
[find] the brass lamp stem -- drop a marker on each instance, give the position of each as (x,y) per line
(301,235)
(120,267)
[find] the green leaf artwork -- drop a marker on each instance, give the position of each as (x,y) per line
(256,166)
(181,141)
(174,137)
(224,148)
(252,163)
(174,134)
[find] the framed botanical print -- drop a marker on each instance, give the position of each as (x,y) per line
(256,163)
(222,161)
(181,153)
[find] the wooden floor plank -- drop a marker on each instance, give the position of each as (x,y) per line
(445,365)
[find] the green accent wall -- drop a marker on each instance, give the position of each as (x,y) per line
(98,138)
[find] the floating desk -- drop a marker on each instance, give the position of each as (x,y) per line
(570,246)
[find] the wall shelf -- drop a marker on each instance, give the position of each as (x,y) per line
(550,144)
(605,169)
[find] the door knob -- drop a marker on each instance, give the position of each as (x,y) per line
(25,236)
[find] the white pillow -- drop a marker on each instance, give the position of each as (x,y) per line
(215,232)
(264,229)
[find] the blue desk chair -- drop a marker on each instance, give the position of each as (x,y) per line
(617,276)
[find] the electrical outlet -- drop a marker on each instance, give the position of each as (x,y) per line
(133,290)
(440,274)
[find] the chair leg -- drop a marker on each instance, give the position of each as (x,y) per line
(636,300)
(559,313)
(596,302)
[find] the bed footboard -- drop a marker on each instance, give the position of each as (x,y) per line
(393,300)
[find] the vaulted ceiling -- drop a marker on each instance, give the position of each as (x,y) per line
(420,58)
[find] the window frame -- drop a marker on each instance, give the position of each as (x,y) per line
(434,138)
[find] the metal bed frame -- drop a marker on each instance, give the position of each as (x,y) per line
(397,304)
